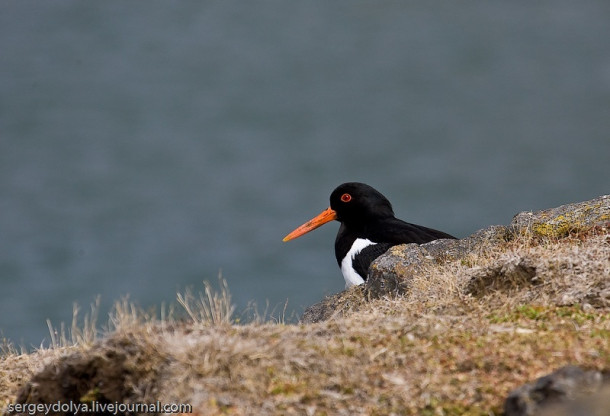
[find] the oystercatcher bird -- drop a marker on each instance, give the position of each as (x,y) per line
(368,229)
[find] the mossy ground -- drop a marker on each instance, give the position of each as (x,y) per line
(439,350)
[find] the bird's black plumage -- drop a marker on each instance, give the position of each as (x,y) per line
(369,215)
(368,228)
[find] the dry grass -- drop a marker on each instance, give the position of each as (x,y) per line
(209,308)
(466,334)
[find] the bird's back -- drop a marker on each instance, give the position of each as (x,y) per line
(376,239)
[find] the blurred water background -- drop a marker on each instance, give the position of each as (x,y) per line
(147,146)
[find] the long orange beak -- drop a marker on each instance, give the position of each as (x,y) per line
(324,217)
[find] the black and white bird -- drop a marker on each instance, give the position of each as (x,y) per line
(368,229)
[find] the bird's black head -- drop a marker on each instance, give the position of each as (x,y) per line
(356,203)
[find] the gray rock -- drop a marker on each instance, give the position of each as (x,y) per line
(391,273)
(554,392)
(560,221)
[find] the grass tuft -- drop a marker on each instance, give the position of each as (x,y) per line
(209,307)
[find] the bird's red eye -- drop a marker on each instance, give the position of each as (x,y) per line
(346,197)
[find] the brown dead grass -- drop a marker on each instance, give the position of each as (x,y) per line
(466,334)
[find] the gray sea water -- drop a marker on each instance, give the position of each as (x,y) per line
(148,146)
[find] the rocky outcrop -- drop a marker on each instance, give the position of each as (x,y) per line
(570,391)
(561,221)
(392,273)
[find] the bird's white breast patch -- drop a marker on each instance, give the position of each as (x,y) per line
(352,278)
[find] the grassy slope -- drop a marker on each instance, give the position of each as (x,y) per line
(437,350)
